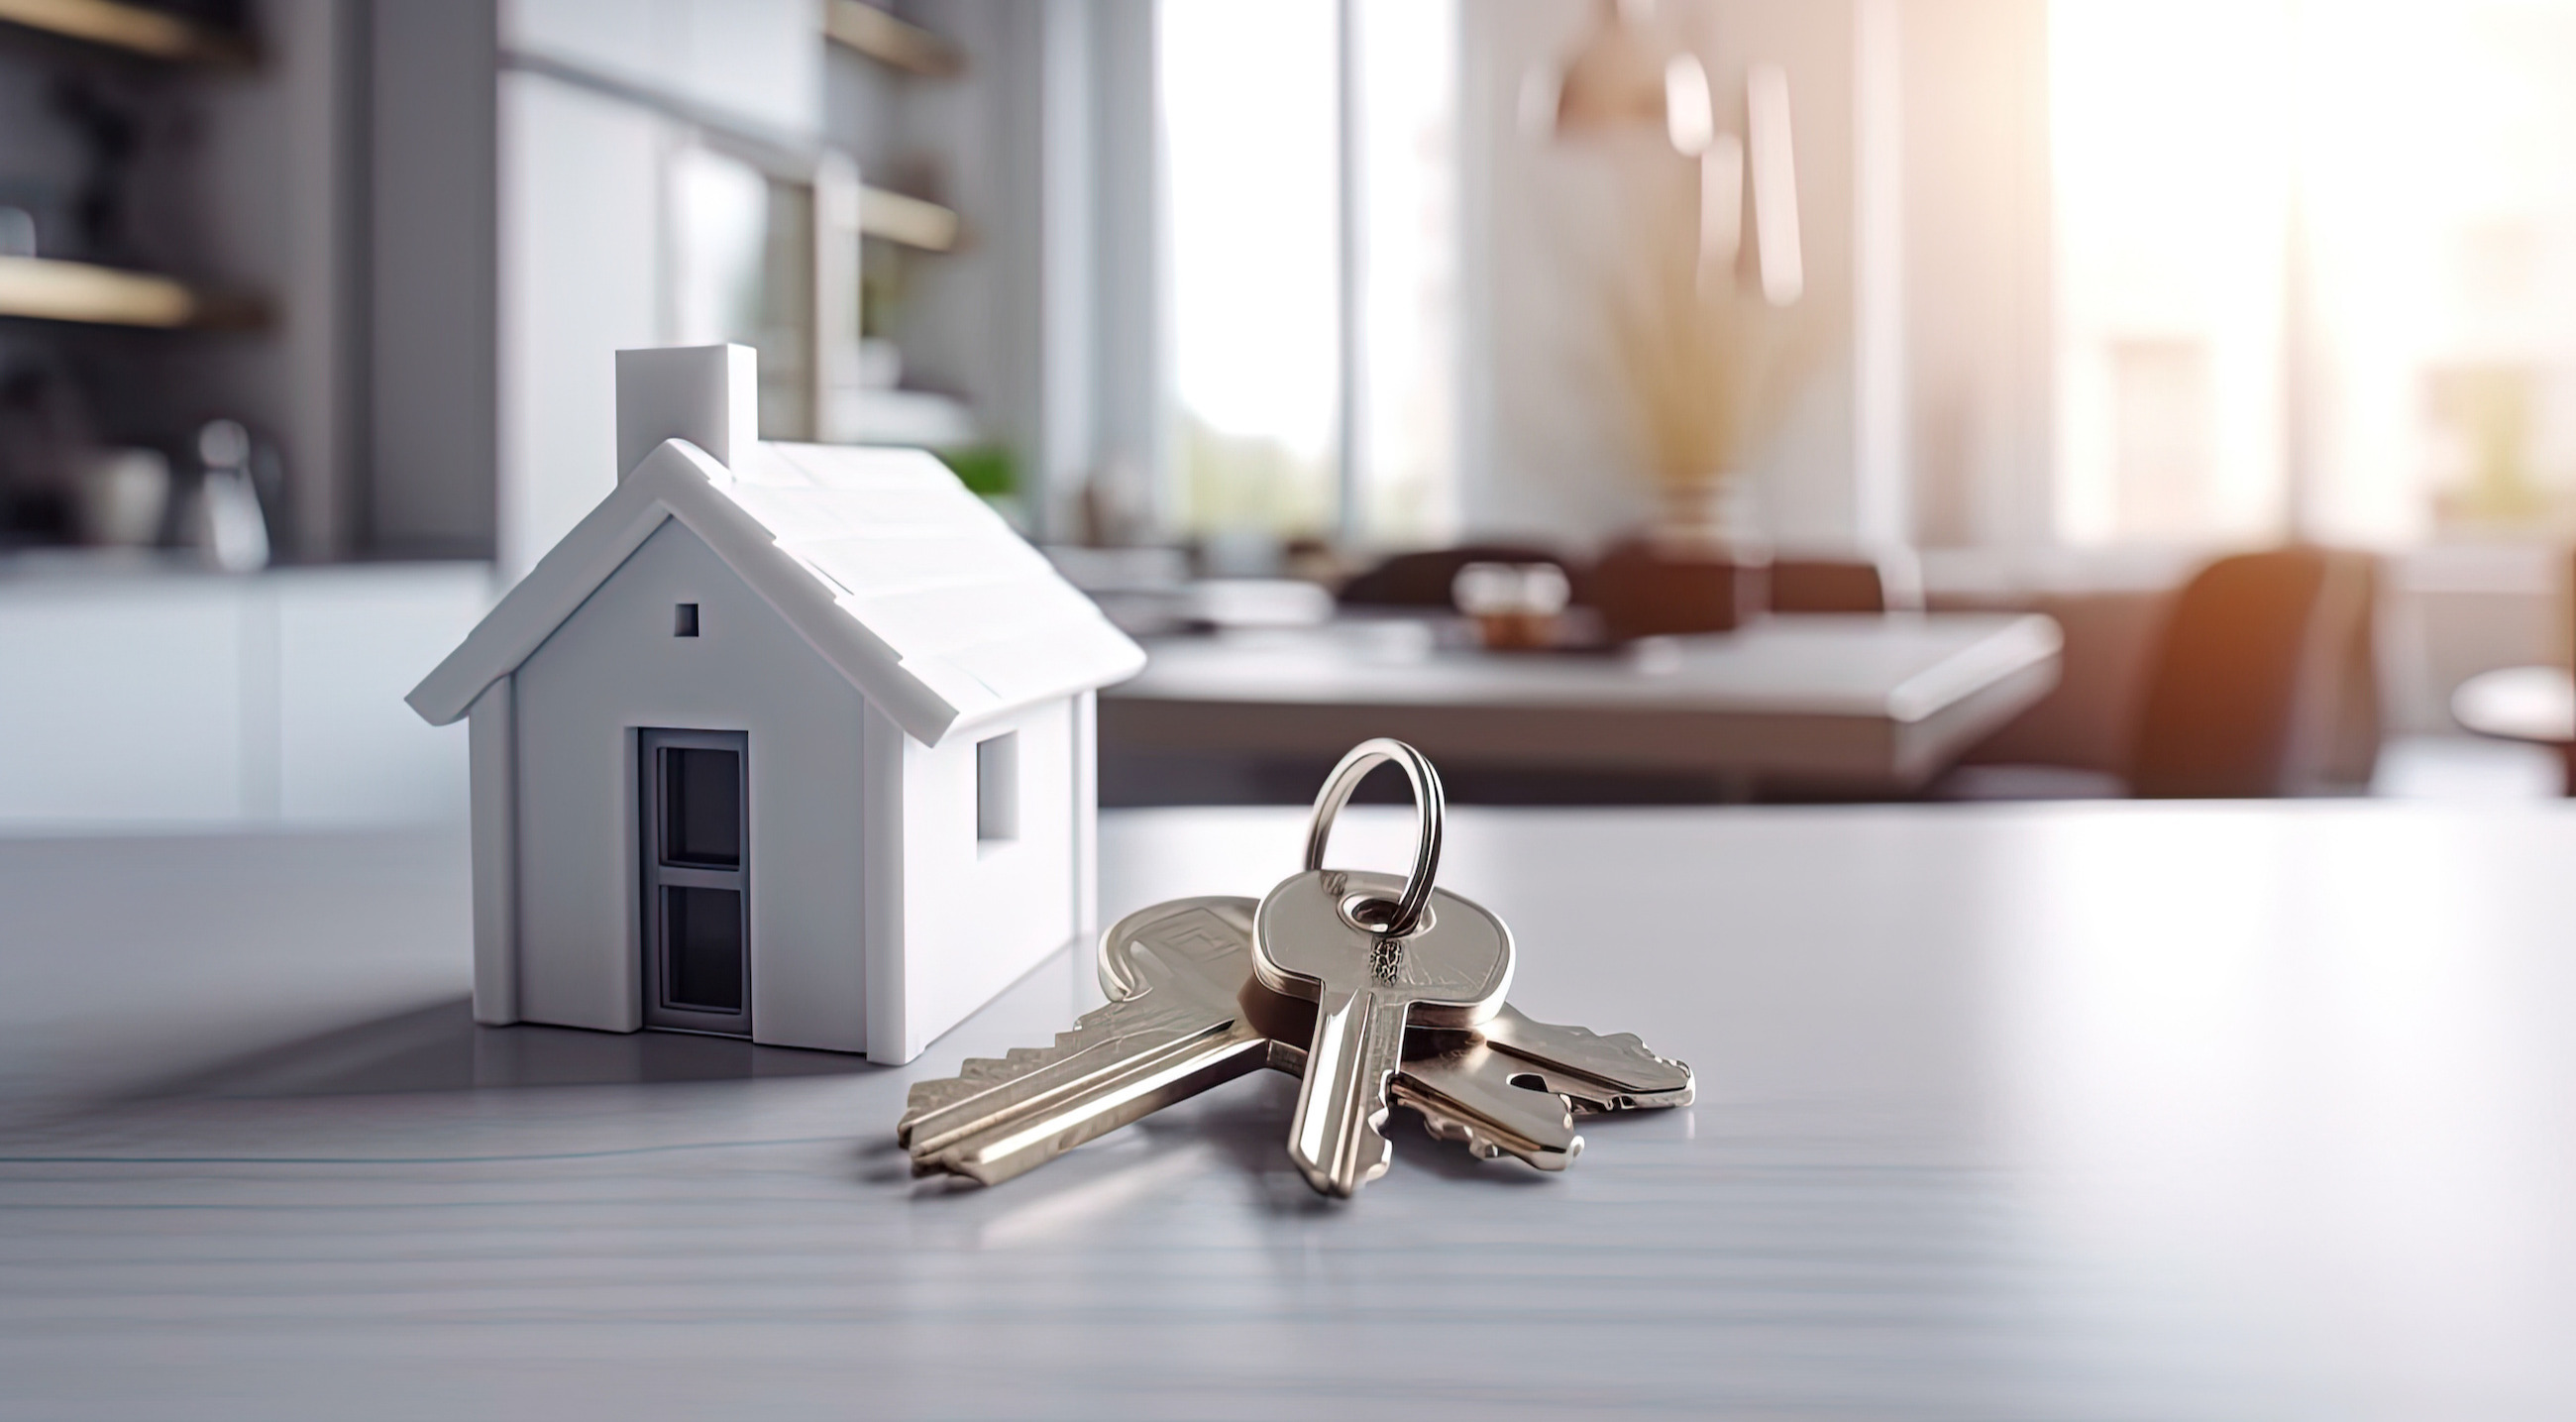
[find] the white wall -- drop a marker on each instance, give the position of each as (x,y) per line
(595,99)
(581,279)
(759,62)
(974,915)
(614,665)
(1551,444)
(1949,441)
(1979,335)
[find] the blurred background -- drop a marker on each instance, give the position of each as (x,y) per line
(1679,401)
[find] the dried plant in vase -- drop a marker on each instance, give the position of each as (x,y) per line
(1700,360)
(1700,333)
(1709,346)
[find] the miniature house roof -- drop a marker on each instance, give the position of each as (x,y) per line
(902,580)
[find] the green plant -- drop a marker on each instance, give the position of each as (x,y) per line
(985,469)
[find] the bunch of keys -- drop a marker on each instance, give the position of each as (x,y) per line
(1374,991)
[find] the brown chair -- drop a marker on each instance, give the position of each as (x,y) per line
(1890,581)
(1822,585)
(2356,724)
(1422,579)
(2244,699)
(2260,685)
(1644,590)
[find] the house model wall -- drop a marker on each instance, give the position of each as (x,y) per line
(791,742)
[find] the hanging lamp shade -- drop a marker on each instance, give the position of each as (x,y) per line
(1616,79)
(1622,77)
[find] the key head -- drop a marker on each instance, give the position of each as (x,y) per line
(1202,945)
(1311,933)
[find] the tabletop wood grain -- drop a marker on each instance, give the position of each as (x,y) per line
(2124,1111)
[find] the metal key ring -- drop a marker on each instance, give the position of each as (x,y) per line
(1430,807)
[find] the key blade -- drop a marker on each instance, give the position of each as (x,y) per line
(985,1086)
(1114,1091)
(1471,1096)
(1615,1073)
(1338,1142)
(1174,1029)
(1309,940)
(1198,949)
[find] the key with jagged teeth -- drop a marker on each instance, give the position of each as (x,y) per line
(1499,1093)
(1189,1009)
(1377,956)
(1596,1073)
(1509,1087)
(1007,1115)
(1173,1029)
(1463,1097)
(1312,939)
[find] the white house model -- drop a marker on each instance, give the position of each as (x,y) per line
(782,741)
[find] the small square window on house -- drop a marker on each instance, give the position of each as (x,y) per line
(761,834)
(997,787)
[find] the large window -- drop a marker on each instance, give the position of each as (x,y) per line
(1311,200)
(2317,268)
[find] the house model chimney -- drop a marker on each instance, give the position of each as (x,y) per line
(707,395)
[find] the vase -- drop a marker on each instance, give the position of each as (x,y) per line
(1697,569)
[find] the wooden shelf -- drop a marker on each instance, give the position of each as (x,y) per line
(882,36)
(50,290)
(910,220)
(131,28)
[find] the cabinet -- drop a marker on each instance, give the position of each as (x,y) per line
(663,172)
(162,697)
(174,224)
(757,64)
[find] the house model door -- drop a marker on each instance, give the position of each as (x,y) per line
(697,881)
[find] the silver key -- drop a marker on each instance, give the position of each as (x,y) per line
(1374,955)
(1477,1097)
(1464,1092)
(1596,1073)
(1520,1099)
(1174,1029)
(1467,1086)
(1514,1087)
(1519,1102)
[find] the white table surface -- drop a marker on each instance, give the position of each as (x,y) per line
(2057,1112)
(1885,699)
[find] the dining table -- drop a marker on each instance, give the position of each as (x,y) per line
(1854,703)
(2532,704)
(2053,1111)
